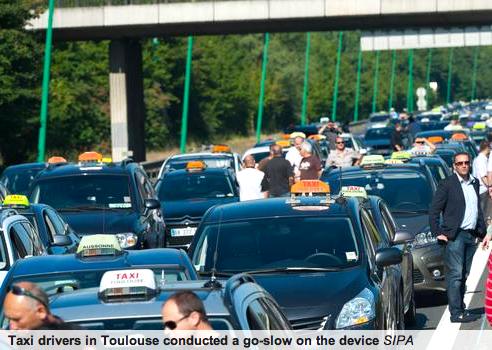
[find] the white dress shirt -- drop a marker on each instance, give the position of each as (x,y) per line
(294,157)
(480,170)
(471,203)
(249,180)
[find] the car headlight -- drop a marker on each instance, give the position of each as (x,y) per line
(359,310)
(127,239)
(424,238)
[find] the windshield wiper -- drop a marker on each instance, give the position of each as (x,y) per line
(88,208)
(294,269)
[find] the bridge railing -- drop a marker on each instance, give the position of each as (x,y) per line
(91,3)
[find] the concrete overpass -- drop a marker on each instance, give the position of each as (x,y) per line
(124,25)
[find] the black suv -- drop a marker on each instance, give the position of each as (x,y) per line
(96,197)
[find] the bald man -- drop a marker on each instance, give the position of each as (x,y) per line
(184,311)
(249,180)
(26,306)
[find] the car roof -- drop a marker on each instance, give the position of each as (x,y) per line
(391,167)
(85,304)
(201,155)
(25,166)
(70,262)
(86,169)
(268,208)
(207,170)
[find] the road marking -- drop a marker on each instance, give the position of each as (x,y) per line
(446,332)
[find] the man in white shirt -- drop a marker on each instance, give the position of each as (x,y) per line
(455,124)
(249,180)
(294,153)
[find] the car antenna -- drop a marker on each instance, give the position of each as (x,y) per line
(213,283)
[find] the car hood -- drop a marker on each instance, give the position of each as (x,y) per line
(314,295)
(413,223)
(377,142)
(94,222)
(191,207)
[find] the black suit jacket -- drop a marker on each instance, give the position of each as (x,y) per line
(450,201)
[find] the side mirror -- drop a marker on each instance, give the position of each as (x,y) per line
(388,256)
(402,237)
(151,204)
(60,240)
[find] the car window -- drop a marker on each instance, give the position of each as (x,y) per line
(21,241)
(38,247)
(373,234)
(57,225)
(3,253)
(387,222)
(193,186)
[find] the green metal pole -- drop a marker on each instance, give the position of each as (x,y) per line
(410,81)
(186,97)
(392,79)
(46,84)
(262,87)
(357,86)
(450,75)
(375,89)
(337,77)
(474,74)
(306,80)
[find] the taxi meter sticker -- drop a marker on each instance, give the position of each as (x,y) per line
(351,256)
(127,278)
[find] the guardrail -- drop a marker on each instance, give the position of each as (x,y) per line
(91,3)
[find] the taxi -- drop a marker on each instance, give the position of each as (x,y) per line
(54,232)
(131,299)
(392,182)
(3,192)
(339,270)
(96,195)
(437,166)
(97,254)
(187,194)
(17,178)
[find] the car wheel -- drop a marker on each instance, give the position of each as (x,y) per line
(411,314)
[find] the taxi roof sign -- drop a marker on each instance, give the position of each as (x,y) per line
(353,191)
(459,136)
(283,143)
(393,161)
(317,137)
(195,165)
(375,159)
(56,160)
(98,245)
(311,187)
(479,126)
(135,283)
(16,200)
(221,149)
(90,157)
(435,139)
(401,155)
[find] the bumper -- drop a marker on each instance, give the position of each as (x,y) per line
(428,268)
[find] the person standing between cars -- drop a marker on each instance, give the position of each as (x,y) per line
(457,199)
(396,140)
(278,174)
(310,167)
(413,127)
(422,145)
(342,156)
(480,164)
(249,180)
(330,131)
(454,124)
(264,161)
(184,311)
(294,153)
(26,306)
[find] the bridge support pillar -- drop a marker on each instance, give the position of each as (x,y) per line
(126,100)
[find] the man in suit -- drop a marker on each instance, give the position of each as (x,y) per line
(457,199)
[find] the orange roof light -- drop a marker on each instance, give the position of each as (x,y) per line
(283,143)
(221,149)
(435,139)
(459,137)
(56,160)
(197,165)
(90,157)
(317,137)
(310,187)
(285,136)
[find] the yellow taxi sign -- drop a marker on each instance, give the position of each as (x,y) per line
(56,160)
(479,126)
(283,143)
(375,159)
(310,187)
(98,245)
(90,157)
(16,199)
(196,165)
(107,160)
(393,161)
(297,134)
(353,191)
(221,149)
(401,155)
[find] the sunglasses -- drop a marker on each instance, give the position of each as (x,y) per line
(340,143)
(462,163)
(19,291)
(171,325)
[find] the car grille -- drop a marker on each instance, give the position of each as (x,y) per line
(309,323)
(417,276)
(185,221)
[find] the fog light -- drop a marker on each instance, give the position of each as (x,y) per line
(436,273)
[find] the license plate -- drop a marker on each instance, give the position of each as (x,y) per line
(186,231)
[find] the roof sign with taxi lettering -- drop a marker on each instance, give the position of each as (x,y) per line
(56,160)
(393,161)
(372,160)
(459,136)
(221,149)
(90,157)
(16,200)
(401,155)
(195,166)
(435,139)
(134,284)
(310,195)
(98,245)
(283,143)
(353,191)
(310,187)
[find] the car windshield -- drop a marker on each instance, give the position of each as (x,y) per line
(84,192)
(379,118)
(18,180)
(191,186)
(222,162)
(392,186)
(446,155)
(53,283)
(378,133)
(277,243)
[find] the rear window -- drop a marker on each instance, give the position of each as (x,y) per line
(192,186)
